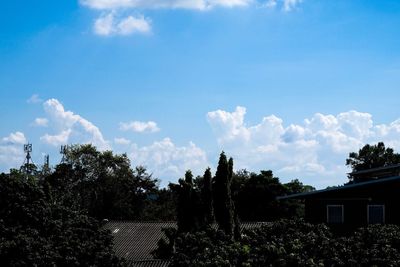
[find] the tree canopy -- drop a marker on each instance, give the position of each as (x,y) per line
(36,231)
(372,156)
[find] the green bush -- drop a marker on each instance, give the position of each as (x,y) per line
(290,243)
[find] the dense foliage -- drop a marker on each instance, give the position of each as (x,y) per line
(105,185)
(290,243)
(37,231)
(372,156)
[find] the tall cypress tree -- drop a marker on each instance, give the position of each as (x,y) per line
(223,205)
(186,210)
(206,197)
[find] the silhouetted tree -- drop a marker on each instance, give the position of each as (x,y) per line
(35,231)
(223,204)
(102,183)
(187,203)
(372,156)
(206,198)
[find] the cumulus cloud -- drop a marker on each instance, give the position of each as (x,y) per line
(57,139)
(110,24)
(11,150)
(70,127)
(169,161)
(139,126)
(15,138)
(314,149)
(40,122)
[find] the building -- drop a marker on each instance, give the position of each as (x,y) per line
(371,197)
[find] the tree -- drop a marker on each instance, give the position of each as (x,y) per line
(187,204)
(206,198)
(223,204)
(102,183)
(372,156)
(35,231)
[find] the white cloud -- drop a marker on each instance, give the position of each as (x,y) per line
(122,141)
(314,151)
(15,138)
(168,161)
(34,99)
(139,126)
(155,4)
(269,4)
(289,5)
(40,122)
(11,150)
(104,25)
(70,127)
(110,24)
(57,139)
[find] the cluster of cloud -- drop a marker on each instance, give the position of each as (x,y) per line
(110,22)
(163,158)
(168,161)
(314,150)
(11,153)
(139,126)
(317,148)
(70,127)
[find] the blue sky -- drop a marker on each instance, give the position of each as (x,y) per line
(287,85)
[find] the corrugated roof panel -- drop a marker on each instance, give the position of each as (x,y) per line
(135,241)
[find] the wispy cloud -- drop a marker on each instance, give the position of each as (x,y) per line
(156,4)
(42,122)
(122,141)
(34,99)
(140,126)
(289,5)
(108,24)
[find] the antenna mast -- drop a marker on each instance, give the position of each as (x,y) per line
(46,165)
(28,160)
(63,152)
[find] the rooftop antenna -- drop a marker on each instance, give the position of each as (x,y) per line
(46,160)
(46,165)
(63,152)
(28,159)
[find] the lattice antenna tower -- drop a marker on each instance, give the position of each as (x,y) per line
(46,165)
(63,152)
(28,159)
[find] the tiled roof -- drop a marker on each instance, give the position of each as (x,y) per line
(135,241)
(149,263)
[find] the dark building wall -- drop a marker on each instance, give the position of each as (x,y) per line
(355,201)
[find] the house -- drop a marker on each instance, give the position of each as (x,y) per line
(135,241)
(371,197)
